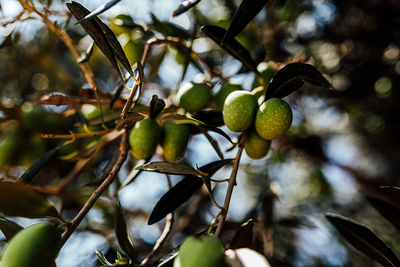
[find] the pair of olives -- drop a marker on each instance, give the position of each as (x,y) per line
(271,120)
(147,134)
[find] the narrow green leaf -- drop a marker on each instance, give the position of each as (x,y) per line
(210,117)
(247,10)
(233,47)
(168,29)
(121,233)
(182,191)
(132,176)
(185,6)
(363,239)
(103,260)
(99,10)
(170,168)
(218,131)
(214,144)
(180,119)
(30,173)
(391,213)
(18,199)
(292,76)
(87,54)
(8,228)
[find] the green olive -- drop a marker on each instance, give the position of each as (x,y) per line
(239,110)
(174,140)
(35,246)
(273,119)
(144,138)
(223,93)
(205,251)
(194,96)
(255,146)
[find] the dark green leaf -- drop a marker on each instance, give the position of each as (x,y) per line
(210,117)
(170,168)
(391,213)
(247,10)
(103,260)
(28,175)
(169,29)
(233,47)
(182,191)
(292,76)
(214,143)
(87,54)
(156,106)
(243,236)
(18,199)
(131,176)
(216,130)
(8,228)
(99,10)
(185,6)
(121,233)
(180,119)
(363,239)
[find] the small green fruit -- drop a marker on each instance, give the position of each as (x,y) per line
(206,251)
(144,138)
(194,96)
(223,93)
(174,140)
(273,119)
(255,146)
(239,110)
(267,74)
(35,246)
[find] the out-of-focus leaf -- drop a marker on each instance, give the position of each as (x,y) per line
(182,191)
(156,106)
(391,213)
(185,6)
(247,10)
(210,117)
(293,222)
(99,10)
(17,199)
(103,260)
(28,175)
(170,168)
(292,76)
(87,54)
(8,228)
(168,29)
(132,176)
(103,36)
(233,47)
(121,233)
(243,236)
(363,239)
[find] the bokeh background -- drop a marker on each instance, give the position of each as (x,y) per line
(342,141)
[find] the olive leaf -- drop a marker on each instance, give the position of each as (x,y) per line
(156,106)
(121,233)
(292,77)
(132,175)
(182,191)
(391,213)
(233,47)
(103,260)
(247,10)
(185,6)
(169,168)
(363,239)
(30,173)
(87,54)
(8,228)
(209,117)
(18,199)
(168,29)
(243,236)
(99,10)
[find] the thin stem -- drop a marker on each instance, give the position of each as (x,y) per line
(100,190)
(232,183)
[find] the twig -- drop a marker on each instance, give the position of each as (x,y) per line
(232,183)
(99,191)
(167,230)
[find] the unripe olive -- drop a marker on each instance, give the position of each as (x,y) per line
(239,110)
(205,251)
(255,146)
(144,138)
(273,119)
(194,96)
(174,140)
(223,93)
(35,246)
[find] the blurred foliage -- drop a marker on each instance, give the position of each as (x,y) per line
(343,142)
